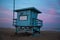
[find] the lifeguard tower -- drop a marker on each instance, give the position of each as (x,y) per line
(27,20)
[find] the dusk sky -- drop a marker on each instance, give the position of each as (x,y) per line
(50,12)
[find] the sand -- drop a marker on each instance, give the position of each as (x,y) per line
(9,34)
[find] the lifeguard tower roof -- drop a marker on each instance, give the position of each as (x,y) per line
(30,8)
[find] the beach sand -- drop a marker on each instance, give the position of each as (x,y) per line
(9,34)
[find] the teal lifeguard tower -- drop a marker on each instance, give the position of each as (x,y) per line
(27,20)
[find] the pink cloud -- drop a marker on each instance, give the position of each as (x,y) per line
(46,18)
(5,15)
(52,11)
(48,15)
(5,11)
(5,20)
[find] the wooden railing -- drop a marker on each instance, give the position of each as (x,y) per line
(37,22)
(14,22)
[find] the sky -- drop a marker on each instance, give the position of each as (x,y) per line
(50,12)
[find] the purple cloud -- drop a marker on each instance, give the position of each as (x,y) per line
(5,17)
(5,13)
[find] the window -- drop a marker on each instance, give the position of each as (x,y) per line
(23,17)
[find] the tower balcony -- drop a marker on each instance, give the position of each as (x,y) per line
(37,22)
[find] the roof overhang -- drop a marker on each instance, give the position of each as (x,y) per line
(25,9)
